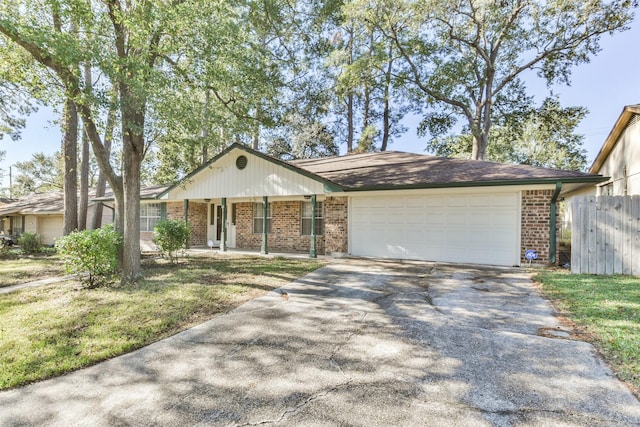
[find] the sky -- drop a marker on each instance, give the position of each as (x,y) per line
(604,86)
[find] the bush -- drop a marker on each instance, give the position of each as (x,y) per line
(171,236)
(7,252)
(93,254)
(30,243)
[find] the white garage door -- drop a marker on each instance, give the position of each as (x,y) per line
(466,228)
(50,228)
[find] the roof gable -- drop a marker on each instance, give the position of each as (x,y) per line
(612,139)
(262,176)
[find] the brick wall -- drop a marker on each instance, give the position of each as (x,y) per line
(336,232)
(197,220)
(536,211)
(286,234)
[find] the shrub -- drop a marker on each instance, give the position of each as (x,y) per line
(30,243)
(171,236)
(93,254)
(6,252)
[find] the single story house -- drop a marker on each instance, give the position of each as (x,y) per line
(42,214)
(383,204)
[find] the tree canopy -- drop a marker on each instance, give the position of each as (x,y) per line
(465,59)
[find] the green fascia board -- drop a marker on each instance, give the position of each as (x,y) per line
(500,183)
(328,185)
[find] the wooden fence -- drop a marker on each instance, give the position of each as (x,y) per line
(605,235)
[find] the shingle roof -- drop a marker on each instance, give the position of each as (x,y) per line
(150,192)
(44,203)
(392,169)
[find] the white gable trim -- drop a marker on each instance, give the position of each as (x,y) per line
(260,177)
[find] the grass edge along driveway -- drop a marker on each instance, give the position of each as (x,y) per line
(53,329)
(605,310)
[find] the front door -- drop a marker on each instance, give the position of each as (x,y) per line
(214,221)
(218,223)
(231,227)
(211,224)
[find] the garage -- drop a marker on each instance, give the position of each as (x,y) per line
(464,228)
(50,228)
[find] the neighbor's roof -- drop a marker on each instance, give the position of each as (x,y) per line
(51,203)
(392,169)
(146,193)
(627,114)
(43,203)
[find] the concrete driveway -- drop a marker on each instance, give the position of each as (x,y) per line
(358,342)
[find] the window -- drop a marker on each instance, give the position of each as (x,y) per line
(607,190)
(149,216)
(306,219)
(257,218)
(18,225)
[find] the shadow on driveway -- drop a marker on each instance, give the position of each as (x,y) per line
(358,342)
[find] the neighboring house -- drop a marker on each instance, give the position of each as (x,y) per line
(619,157)
(4,201)
(385,204)
(42,214)
(618,160)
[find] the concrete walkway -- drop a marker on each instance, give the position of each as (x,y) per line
(355,343)
(48,281)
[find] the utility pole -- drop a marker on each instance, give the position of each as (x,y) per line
(10,182)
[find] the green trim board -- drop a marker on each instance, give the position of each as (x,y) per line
(499,183)
(553,224)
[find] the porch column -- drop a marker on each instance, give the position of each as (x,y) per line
(223,231)
(265,204)
(186,218)
(312,250)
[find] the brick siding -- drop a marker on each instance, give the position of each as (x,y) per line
(336,230)
(536,211)
(197,220)
(286,234)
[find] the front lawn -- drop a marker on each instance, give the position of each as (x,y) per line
(53,329)
(607,310)
(15,271)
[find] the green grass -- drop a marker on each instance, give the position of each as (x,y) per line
(607,310)
(15,271)
(53,329)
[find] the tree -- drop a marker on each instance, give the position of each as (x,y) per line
(371,75)
(465,58)
(144,51)
(41,174)
(15,101)
(302,139)
(544,136)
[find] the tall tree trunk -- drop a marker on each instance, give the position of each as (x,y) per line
(386,114)
(131,244)
(350,113)
(83,205)
(350,123)
(70,156)
(133,121)
(101,184)
(84,165)
(256,137)
(205,129)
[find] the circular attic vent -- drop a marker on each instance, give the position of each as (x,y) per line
(241,162)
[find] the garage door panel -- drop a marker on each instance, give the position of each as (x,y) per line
(472,228)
